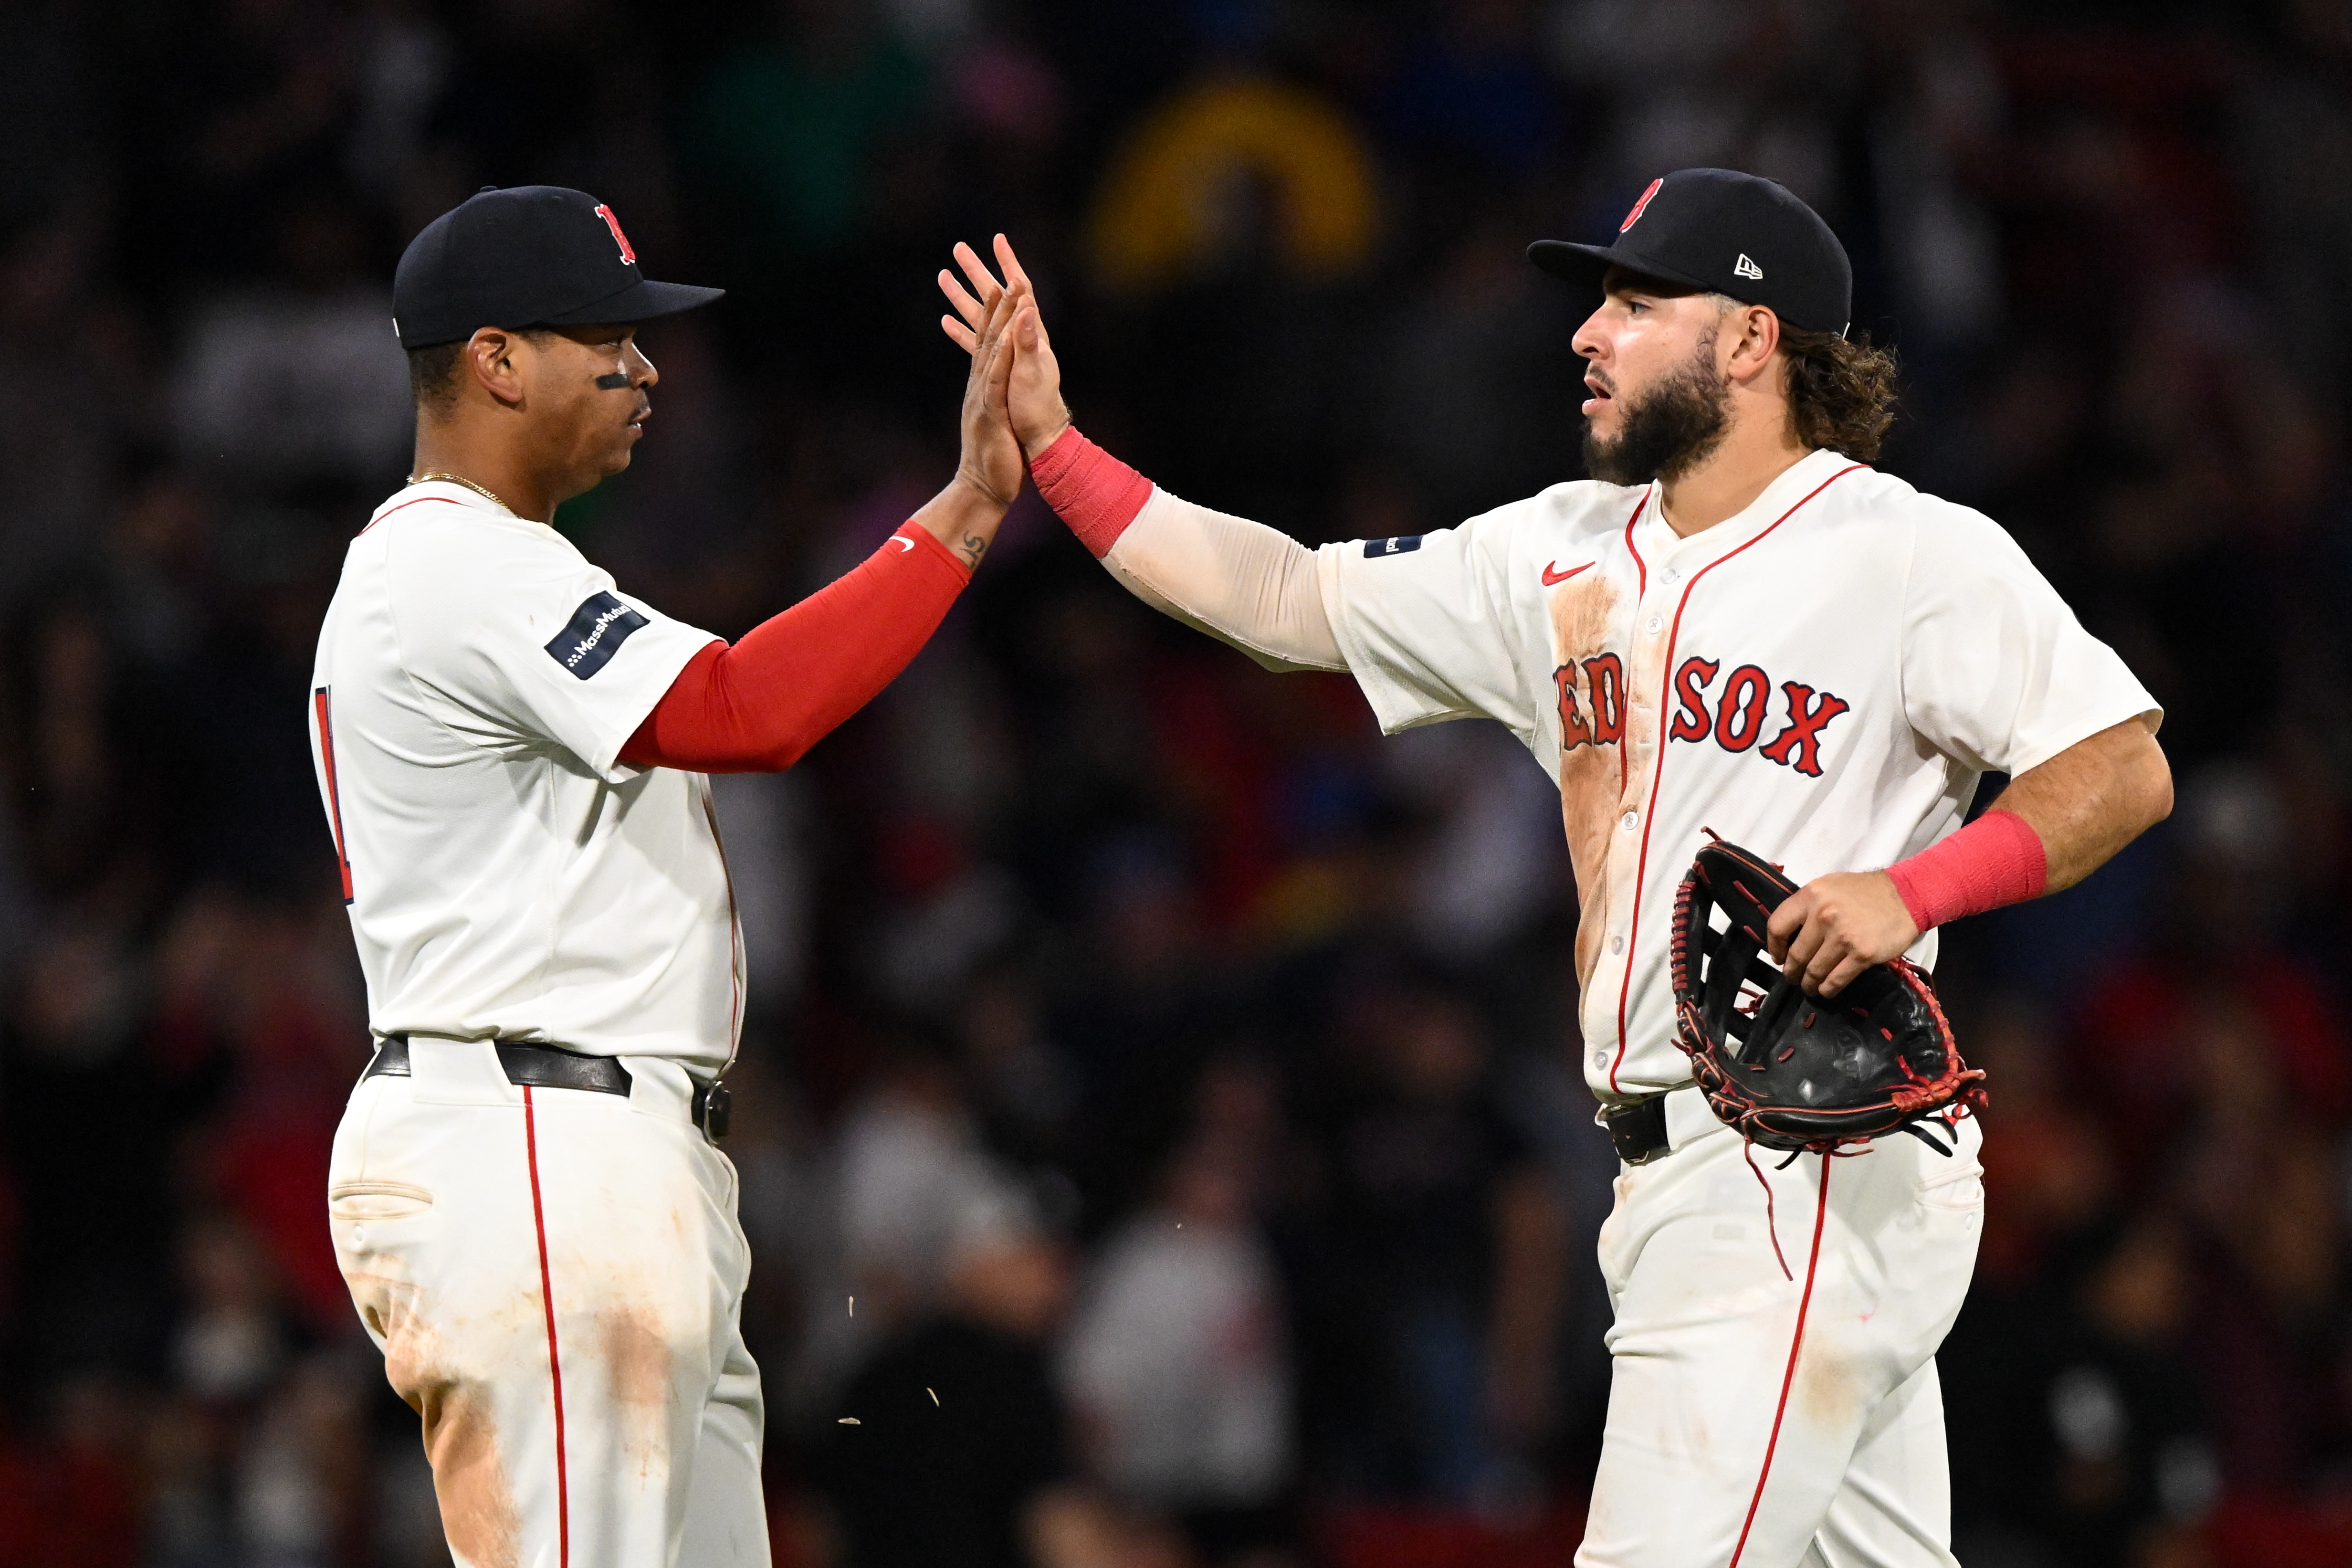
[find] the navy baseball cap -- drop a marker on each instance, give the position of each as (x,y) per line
(1728,233)
(530,256)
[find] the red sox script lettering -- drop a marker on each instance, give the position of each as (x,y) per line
(1604,685)
(1736,720)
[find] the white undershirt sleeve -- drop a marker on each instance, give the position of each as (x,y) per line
(1241,581)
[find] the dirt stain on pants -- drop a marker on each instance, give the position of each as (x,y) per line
(638,1359)
(479,1513)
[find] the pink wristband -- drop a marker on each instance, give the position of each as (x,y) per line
(1090,489)
(1995,860)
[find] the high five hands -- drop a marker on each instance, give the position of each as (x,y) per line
(991,464)
(1033,397)
(965,516)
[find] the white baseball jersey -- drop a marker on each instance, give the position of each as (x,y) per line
(507,875)
(1823,679)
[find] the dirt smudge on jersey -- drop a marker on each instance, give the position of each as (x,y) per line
(1591,777)
(1581,610)
(639,1363)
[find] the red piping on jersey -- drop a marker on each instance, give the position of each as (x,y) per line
(1625,744)
(335,794)
(554,1361)
(1641,866)
(404,505)
(1639,564)
(1789,1378)
(734,937)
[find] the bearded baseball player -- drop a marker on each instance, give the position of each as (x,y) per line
(527,1196)
(1737,626)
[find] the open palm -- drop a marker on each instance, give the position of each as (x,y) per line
(1033,395)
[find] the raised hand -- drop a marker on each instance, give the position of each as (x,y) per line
(965,515)
(991,460)
(1033,395)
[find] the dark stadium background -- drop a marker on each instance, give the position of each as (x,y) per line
(1089,928)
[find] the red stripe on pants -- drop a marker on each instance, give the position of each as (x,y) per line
(555,1362)
(1788,1378)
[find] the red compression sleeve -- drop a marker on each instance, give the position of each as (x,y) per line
(757,705)
(1088,488)
(1995,860)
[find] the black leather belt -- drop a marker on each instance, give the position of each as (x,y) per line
(1638,1130)
(551,1066)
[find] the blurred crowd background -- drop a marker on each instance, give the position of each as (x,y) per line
(1179,1077)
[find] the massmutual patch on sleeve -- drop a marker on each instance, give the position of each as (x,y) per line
(599,626)
(1401,545)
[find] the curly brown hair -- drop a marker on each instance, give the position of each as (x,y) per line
(1841,391)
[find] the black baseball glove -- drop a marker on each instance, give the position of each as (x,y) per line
(1792,1070)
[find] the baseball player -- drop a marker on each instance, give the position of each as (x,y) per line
(526,1195)
(1735,625)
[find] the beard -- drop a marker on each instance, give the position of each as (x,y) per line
(1669,429)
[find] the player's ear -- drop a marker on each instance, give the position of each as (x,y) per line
(489,363)
(1755,334)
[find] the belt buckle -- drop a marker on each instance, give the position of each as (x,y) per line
(713,1108)
(1638,1130)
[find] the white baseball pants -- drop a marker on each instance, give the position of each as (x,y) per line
(556,1277)
(1760,1418)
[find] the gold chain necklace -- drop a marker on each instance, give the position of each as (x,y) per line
(486,493)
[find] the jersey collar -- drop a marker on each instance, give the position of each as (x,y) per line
(439,490)
(1770,504)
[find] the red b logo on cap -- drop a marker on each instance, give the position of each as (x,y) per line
(630,255)
(1630,217)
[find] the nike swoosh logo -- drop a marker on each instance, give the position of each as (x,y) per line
(1552,578)
(902,542)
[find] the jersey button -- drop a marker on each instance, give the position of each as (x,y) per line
(1654,623)
(1626,821)
(1616,945)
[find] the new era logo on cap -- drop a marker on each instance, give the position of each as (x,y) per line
(1743,268)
